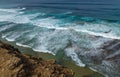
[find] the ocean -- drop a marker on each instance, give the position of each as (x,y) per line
(79,29)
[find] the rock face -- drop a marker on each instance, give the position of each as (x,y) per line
(106,59)
(15,64)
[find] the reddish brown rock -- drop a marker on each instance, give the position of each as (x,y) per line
(15,64)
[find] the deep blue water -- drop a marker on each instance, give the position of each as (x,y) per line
(78,28)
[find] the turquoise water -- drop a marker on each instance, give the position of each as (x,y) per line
(78,29)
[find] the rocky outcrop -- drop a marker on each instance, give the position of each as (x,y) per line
(111,50)
(106,58)
(15,64)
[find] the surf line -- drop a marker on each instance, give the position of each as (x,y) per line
(105,35)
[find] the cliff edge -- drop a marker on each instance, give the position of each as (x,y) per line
(15,64)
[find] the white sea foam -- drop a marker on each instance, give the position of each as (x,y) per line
(99,34)
(6,17)
(17,17)
(47,42)
(23,8)
(6,27)
(3,36)
(37,50)
(71,53)
(14,18)
(93,69)
(53,24)
(8,39)
(49,22)
(19,44)
(14,15)
(12,10)
(13,36)
(44,51)
(30,16)
(9,10)
(105,35)
(46,22)
(97,71)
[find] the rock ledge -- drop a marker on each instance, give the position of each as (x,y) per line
(15,64)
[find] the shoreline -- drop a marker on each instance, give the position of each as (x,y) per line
(61,59)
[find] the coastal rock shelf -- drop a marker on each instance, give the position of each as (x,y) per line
(15,64)
(107,58)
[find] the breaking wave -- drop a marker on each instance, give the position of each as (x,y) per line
(49,33)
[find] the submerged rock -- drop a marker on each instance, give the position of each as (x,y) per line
(15,64)
(105,59)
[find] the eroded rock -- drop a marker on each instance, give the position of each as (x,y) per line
(15,64)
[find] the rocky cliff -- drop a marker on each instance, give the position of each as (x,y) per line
(15,64)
